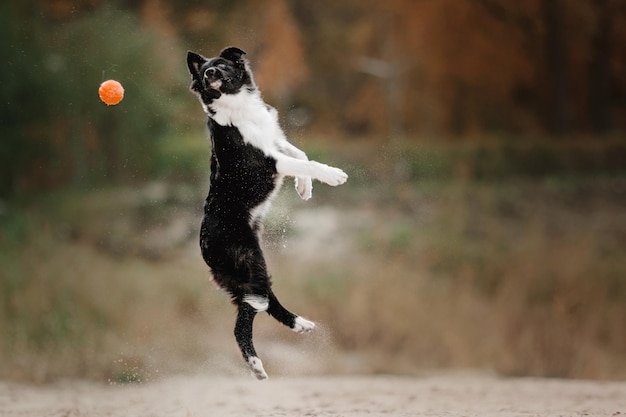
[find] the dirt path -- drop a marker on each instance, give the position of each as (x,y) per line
(440,395)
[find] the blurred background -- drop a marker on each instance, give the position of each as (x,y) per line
(483,225)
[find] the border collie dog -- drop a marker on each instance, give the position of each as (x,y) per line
(250,156)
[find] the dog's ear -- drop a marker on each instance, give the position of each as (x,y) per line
(232,53)
(194,62)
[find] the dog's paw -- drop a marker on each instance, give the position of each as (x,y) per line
(256,367)
(332,176)
(304,187)
(302,325)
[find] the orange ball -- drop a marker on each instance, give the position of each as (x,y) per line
(111,92)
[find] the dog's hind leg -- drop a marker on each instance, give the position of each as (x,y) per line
(294,322)
(243,334)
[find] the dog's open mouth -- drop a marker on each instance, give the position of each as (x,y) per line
(214,78)
(215,84)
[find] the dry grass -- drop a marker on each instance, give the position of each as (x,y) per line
(523,277)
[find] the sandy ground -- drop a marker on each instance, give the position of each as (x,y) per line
(347,396)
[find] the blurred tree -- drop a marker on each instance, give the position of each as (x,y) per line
(600,65)
(25,112)
(280,63)
(556,65)
(117,141)
(458,67)
(467,66)
(55,129)
(573,69)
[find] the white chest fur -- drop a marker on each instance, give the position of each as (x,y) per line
(247,112)
(259,127)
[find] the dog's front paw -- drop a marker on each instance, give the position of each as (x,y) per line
(332,176)
(304,187)
(302,325)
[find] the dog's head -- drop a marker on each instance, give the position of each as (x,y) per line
(227,73)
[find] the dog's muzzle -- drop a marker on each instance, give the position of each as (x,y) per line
(212,73)
(213,78)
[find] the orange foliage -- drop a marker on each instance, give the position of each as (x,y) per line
(442,66)
(280,65)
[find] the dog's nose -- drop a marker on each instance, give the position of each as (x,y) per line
(210,72)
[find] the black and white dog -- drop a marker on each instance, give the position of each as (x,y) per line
(250,156)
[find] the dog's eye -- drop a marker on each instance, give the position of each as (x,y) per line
(221,66)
